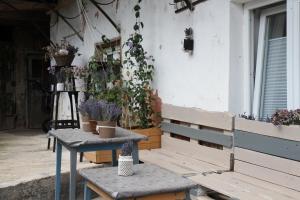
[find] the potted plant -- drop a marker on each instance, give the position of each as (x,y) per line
(125,161)
(137,100)
(60,80)
(81,75)
(89,115)
(69,75)
(282,124)
(62,53)
(107,117)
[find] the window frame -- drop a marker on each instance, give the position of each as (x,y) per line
(260,61)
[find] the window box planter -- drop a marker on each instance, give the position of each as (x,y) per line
(291,132)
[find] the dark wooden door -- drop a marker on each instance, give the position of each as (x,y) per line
(37,91)
(7,87)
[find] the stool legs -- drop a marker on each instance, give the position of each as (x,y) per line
(87,192)
(54,144)
(49,142)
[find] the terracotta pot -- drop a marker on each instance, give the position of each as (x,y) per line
(93,125)
(106,129)
(86,127)
(64,60)
(85,118)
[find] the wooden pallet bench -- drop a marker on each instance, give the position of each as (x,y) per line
(266,166)
(194,141)
(196,144)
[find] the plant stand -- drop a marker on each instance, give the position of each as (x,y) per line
(72,123)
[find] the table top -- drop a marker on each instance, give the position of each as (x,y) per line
(78,138)
(148,179)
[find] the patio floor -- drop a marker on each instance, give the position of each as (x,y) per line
(24,158)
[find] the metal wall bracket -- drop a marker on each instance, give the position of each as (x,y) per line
(189,5)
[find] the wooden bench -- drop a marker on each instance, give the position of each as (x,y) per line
(193,141)
(266,166)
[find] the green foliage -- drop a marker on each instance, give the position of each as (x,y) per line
(140,75)
(105,81)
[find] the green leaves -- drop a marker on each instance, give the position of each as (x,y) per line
(137,7)
(136,27)
(137,14)
(140,71)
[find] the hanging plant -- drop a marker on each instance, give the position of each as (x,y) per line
(139,70)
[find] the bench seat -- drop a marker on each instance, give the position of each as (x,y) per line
(239,186)
(178,163)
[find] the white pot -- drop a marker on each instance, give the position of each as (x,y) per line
(52,87)
(80,85)
(125,166)
(60,87)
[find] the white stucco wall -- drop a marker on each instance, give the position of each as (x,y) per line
(200,80)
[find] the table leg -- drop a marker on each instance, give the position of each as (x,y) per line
(114,157)
(187,194)
(135,153)
(58,171)
(73,173)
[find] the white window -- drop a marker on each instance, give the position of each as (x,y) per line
(270,80)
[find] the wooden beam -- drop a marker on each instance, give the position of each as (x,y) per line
(27,6)
(106,15)
(186,7)
(35,25)
(70,25)
(24,16)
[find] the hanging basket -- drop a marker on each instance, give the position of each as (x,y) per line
(64,60)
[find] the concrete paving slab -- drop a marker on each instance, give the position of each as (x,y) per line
(24,158)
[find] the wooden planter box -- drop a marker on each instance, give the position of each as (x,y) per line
(291,132)
(154,138)
(153,142)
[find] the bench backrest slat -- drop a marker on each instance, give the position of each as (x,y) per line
(269,145)
(198,134)
(207,136)
(267,155)
(211,155)
(219,120)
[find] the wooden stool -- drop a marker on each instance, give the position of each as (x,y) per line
(149,182)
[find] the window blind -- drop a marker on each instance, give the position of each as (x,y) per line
(274,94)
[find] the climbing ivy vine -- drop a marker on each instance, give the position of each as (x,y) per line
(139,71)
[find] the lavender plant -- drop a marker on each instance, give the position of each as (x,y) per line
(88,108)
(100,110)
(127,149)
(108,111)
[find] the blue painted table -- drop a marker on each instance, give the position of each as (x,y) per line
(76,140)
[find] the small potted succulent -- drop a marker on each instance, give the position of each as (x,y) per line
(107,117)
(63,53)
(125,161)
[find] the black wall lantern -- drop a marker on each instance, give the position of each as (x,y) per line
(188,44)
